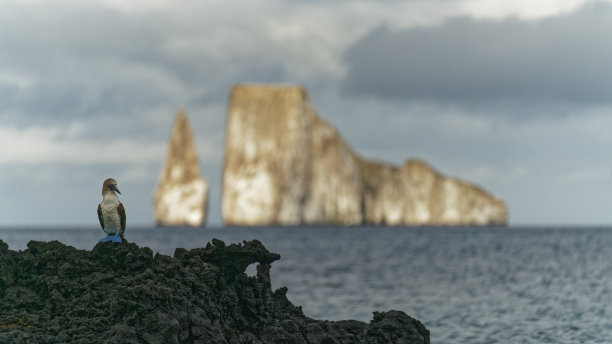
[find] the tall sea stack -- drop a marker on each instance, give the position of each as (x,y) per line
(286,166)
(180,198)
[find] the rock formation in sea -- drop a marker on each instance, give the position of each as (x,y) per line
(180,198)
(415,194)
(122,293)
(284,165)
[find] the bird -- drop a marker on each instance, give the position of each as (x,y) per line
(111,212)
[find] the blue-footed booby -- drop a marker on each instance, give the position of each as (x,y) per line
(111,212)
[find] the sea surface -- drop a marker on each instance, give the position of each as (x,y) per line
(466,285)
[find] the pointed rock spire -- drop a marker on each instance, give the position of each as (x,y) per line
(180,198)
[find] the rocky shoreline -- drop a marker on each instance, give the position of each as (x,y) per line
(123,293)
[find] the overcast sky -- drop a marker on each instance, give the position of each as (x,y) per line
(515,96)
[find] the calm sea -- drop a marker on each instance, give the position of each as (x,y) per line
(467,285)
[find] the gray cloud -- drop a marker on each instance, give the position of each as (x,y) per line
(563,59)
(91,61)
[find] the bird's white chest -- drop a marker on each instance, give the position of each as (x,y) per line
(110,215)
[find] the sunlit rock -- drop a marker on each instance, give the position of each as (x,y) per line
(286,166)
(278,156)
(180,198)
(416,194)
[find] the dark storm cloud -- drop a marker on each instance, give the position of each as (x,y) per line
(563,59)
(87,61)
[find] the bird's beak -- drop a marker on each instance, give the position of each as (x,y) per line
(114,187)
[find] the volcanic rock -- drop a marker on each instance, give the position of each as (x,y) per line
(122,293)
(180,198)
(284,165)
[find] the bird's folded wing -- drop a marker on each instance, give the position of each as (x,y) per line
(121,211)
(100,218)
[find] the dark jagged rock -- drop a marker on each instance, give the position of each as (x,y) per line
(122,293)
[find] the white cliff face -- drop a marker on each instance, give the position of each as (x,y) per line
(334,180)
(251,199)
(286,166)
(265,169)
(180,198)
(183,204)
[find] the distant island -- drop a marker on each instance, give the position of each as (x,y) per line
(284,165)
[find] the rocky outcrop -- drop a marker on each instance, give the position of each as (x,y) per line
(180,198)
(121,293)
(286,166)
(416,194)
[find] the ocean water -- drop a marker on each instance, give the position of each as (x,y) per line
(466,285)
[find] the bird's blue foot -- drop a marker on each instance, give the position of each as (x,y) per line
(113,238)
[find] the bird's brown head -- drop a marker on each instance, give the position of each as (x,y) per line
(110,185)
